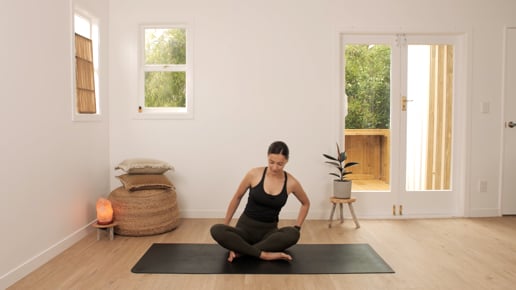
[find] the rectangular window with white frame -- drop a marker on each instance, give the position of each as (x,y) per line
(165,73)
(86,105)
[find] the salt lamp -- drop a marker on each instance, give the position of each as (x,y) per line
(104,212)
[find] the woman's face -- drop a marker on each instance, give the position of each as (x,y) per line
(276,163)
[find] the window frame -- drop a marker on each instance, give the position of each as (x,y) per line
(139,109)
(95,39)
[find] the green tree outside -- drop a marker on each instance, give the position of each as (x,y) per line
(165,48)
(367,76)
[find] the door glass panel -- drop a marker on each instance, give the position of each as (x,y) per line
(429,117)
(367,123)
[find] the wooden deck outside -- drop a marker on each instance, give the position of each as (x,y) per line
(369,185)
(371,149)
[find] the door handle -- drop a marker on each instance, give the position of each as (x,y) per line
(510,124)
(404,103)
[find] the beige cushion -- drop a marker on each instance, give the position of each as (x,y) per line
(134,182)
(144,166)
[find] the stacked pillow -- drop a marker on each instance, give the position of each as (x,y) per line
(146,203)
(144,173)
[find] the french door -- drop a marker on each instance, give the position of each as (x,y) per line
(402,123)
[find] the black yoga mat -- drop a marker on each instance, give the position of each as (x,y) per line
(307,259)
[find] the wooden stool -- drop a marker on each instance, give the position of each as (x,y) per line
(341,201)
(110,228)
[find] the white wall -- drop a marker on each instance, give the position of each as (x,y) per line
(52,169)
(260,74)
(267,70)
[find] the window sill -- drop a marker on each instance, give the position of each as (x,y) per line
(86,117)
(163,116)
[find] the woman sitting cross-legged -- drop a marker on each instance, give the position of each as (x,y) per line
(256,232)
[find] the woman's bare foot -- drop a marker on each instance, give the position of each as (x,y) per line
(269,256)
(232,255)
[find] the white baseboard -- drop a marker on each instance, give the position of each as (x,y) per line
(484,212)
(38,260)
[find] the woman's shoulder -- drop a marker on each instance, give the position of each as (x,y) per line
(254,175)
(290,176)
(292,182)
(255,172)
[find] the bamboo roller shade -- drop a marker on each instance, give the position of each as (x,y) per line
(85,82)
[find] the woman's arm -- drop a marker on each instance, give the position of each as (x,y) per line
(237,197)
(300,194)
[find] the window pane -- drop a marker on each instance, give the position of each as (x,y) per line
(85,76)
(86,43)
(429,117)
(165,89)
(165,46)
(367,134)
(368,86)
(82,26)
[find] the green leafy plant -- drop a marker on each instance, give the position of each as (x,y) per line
(368,78)
(339,161)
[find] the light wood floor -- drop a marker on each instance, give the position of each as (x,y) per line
(425,253)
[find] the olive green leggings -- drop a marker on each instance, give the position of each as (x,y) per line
(251,237)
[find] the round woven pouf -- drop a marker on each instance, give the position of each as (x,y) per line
(144,212)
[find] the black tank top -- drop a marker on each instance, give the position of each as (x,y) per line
(262,206)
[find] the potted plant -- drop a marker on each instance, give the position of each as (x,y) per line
(342,185)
